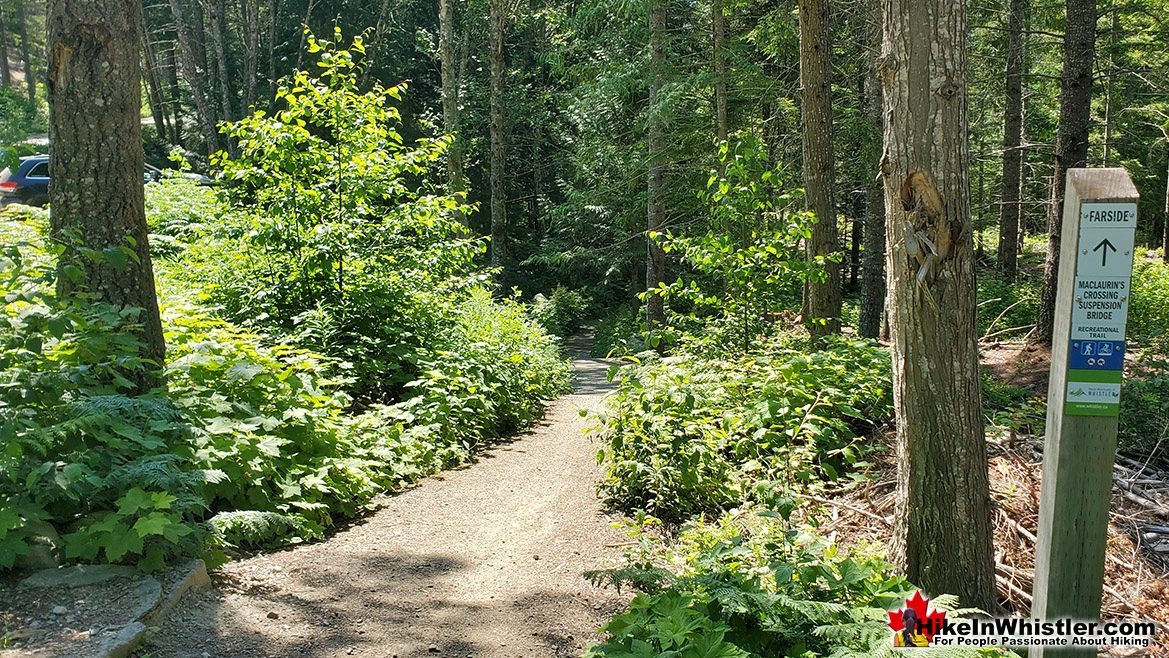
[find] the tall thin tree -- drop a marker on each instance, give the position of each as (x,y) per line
(5,69)
(30,78)
(94,88)
(498,20)
(872,310)
(1012,180)
(1071,143)
(450,93)
(718,30)
(943,533)
(824,295)
(655,264)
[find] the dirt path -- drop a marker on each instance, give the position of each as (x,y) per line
(483,561)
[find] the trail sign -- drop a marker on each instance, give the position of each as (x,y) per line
(1103,275)
(1083,399)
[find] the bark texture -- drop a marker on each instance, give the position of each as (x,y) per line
(824,297)
(97,200)
(942,536)
(1071,143)
(1011,195)
(872,310)
(498,157)
(655,264)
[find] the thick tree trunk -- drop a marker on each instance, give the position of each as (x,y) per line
(718,27)
(942,536)
(498,159)
(1011,195)
(192,72)
(94,95)
(1071,143)
(655,263)
(823,312)
(450,94)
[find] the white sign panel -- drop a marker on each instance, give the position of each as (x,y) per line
(1105,253)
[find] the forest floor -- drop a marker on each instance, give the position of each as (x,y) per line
(483,561)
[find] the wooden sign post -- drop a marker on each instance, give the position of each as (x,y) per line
(1083,397)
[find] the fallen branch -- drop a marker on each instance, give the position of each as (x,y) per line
(852,508)
(1006,331)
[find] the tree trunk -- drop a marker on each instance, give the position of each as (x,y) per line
(942,534)
(872,310)
(1011,195)
(718,26)
(655,263)
(5,69)
(176,103)
(376,40)
(191,70)
(450,94)
(251,28)
(1165,219)
(308,17)
(153,88)
(498,159)
(94,91)
(273,35)
(1109,107)
(30,77)
(215,9)
(823,312)
(1071,143)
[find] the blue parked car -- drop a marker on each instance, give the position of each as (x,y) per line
(29,184)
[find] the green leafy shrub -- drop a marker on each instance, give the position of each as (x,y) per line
(1144,404)
(752,585)
(1148,314)
(337,237)
(618,334)
(562,313)
(685,435)
(250,434)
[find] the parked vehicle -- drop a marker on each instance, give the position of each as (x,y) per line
(29,183)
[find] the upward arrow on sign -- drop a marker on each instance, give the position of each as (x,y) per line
(1104,246)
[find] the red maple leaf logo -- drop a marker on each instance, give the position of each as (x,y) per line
(929,622)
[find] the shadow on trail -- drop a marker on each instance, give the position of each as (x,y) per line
(398,607)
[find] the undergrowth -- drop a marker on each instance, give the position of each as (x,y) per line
(685,435)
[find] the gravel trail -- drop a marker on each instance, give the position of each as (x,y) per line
(482,561)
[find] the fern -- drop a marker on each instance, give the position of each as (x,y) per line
(252,529)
